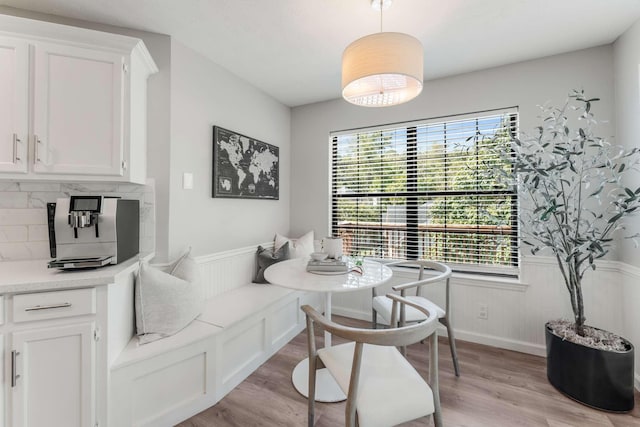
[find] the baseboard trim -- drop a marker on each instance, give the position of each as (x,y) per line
(490,340)
(505,343)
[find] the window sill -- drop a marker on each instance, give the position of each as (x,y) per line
(471,279)
(485,281)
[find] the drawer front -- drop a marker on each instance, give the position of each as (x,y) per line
(53,305)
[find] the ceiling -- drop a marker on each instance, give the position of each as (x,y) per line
(291,49)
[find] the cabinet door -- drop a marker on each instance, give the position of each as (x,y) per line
(14,105)
(78,110)
(52,377)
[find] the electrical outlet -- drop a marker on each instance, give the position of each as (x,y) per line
(483,311)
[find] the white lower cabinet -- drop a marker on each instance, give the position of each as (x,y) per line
(60,332)
(49,358)
(52,376)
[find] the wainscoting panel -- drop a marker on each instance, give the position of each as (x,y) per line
(517,309)
(629,306)
(244,348)
(224,271)
(284,321)
(187,373)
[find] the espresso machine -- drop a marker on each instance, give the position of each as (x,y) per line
(93,231)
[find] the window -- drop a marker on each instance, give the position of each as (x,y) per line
(420,190)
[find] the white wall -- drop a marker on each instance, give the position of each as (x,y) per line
(525,84)
(203,95)
(516,313)
(627,91)
(627,87)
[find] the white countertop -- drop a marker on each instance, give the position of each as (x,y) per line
(33,275)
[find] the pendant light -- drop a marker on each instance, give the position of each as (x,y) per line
(383,69)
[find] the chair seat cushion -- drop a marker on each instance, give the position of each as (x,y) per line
(390,390)
(382,305)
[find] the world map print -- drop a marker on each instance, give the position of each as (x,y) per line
(244,167)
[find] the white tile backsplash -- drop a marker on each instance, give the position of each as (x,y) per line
(39,186)
(93,188)
(38,233)
(13,233)
(9,186)
(13,199)
(23,217)
(39,199)
(24,250)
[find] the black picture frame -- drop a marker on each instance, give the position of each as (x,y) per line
(244,167)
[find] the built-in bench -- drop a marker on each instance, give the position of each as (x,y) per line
(241,326)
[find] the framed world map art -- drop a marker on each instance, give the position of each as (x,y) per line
(244,167)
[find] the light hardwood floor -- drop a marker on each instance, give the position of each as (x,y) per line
(496,388)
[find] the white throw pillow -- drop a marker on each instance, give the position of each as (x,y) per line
(167,298)
(298,248)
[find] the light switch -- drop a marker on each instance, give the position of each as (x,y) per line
(187,181)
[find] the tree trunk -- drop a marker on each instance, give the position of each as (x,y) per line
(577,302)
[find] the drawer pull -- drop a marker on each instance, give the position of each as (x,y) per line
(47,307)
(14,368)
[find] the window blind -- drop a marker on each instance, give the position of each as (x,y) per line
(423,190)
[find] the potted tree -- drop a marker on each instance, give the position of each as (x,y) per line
(573,202)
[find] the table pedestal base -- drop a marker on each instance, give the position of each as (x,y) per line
(327,390)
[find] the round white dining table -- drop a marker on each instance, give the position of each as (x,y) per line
(293,274)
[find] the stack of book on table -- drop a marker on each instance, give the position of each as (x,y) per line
(328,266)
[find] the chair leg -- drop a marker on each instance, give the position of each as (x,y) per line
(434,381)
(452,345)
(437,419)
(374,319)
(312,391)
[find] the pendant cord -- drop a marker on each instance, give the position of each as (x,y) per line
(381,15)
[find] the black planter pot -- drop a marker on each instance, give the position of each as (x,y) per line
(597,378)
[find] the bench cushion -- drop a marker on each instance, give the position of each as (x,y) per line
(237,304)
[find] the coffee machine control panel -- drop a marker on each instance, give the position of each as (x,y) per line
(84,212)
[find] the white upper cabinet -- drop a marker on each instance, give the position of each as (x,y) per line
(85,103)
(77,119)
(14,105)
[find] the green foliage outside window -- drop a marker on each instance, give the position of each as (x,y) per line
(380,176)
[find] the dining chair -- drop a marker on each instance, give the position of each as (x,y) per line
(382,305)
(383,389)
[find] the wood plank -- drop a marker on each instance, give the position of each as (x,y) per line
(496,388)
